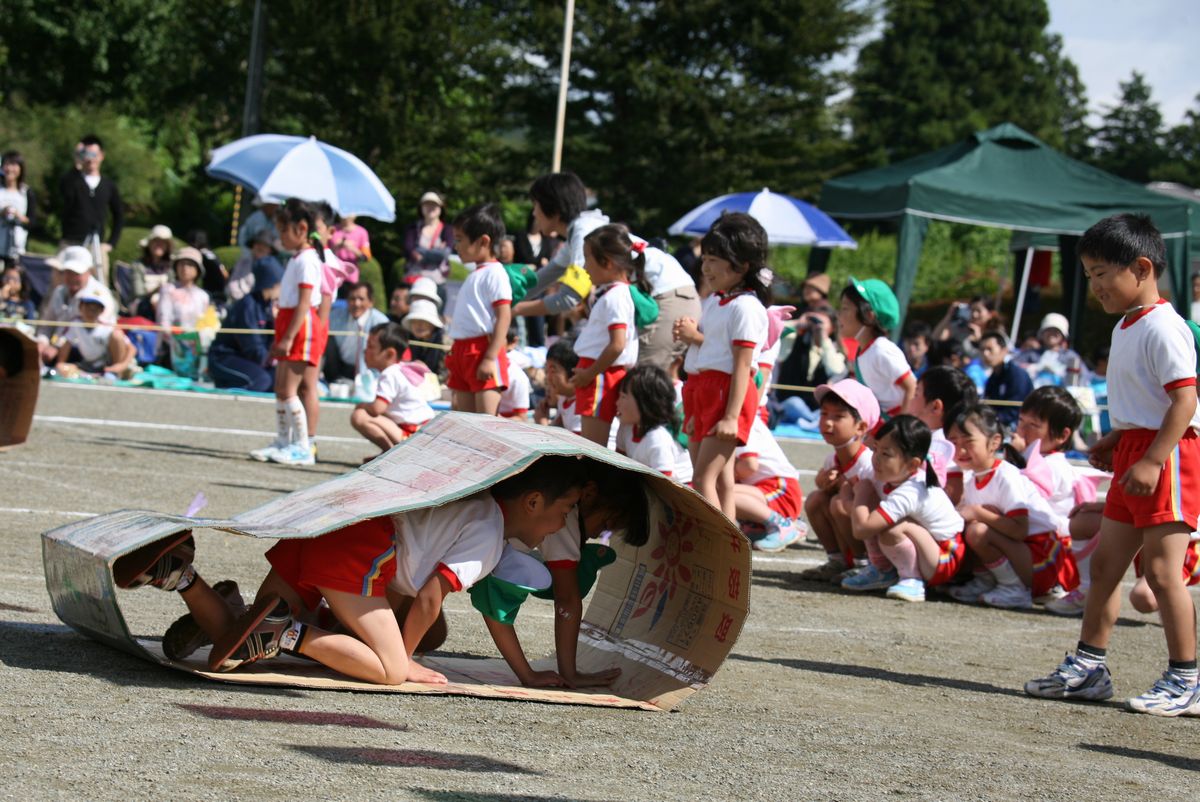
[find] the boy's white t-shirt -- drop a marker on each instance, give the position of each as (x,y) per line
(858,466)
(461,540)
(406,401)
(928,506)
(569,415)
(303,270)
(92,343)
(1011,492)
(486,288)
(514,399)
(726,321)
(883,367)
(1148,357)
(656,449)
(612,308)
(772,462)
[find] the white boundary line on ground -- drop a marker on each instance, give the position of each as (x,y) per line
(72,513)
(179,427)
(183,394)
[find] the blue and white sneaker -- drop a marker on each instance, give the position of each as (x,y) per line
(910,590)
(781,538)
(264,454)
(871,578)
(1170,696)
(295,454)
(1073,680)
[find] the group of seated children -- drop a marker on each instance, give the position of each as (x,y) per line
(364,599)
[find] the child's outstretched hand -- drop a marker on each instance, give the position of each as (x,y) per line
(486,369)
(584,679)
(1141,478)
(419,673)
(544,679)
(685,330)
(280,349)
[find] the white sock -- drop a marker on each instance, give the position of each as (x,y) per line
(282,435)
(1004,572)
(297,422)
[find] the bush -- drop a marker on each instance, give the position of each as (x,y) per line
(371,272)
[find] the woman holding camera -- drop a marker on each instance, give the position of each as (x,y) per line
(814,359)
(966,321)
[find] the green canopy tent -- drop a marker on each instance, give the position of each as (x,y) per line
(1006,178)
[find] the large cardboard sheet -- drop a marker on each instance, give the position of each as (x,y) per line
(667,613)
(20,377)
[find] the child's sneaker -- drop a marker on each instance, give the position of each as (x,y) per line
(185,636)
(837,579)
(1053,594)
(295,454)
(264,454)
(823,572)
(160,564)
(870,578)
(781,538)
(1073,680)
(973,589)
(910,590)
(253,637)
(1072,604)
(1009,597)
(1170,696)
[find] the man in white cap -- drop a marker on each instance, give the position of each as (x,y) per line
(74,268)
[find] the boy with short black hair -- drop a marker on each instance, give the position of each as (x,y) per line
(412,559)
(399,408)
(477,363)
(915,342)
(1007,381)
(939,390)
(561,360)
(1154,454)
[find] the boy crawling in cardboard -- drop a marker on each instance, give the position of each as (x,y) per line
(383,579)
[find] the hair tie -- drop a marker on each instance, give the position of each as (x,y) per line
(639,247)
(766,276)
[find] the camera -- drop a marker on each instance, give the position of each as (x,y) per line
(962,313)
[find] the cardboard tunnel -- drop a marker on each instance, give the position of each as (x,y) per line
(667,613)
(20,377)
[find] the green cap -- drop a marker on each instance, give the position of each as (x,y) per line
(881,299)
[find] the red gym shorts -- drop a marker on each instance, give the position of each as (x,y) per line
(359,559)
(704,398)
(598,399)
(950,557)
(309,343)
(783,495)
(1177,496)
(463,361)
(1053,563)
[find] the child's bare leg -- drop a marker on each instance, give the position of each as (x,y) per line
(1162,560)
(377,652)
(911,549)
(210,611)
(434,637)
(310,396)
(710,473)
(839,515)
(1142,598)
(816,509)
(726,482)
(487,401)
(368,426)
(391,430)
(462,401)
(1017,553)
(1118,543)
(751,504)
(595,429)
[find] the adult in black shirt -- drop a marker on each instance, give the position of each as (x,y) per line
(86,197)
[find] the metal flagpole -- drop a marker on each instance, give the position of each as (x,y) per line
(1016,325)
(252,111)
(563,81)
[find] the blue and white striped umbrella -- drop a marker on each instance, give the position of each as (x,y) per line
(788,221)
(279,167)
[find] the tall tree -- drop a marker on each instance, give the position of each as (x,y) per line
(941,71)
(676,101)
(1129,143)
(1182,162)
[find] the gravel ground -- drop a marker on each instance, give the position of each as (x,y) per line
(825,696)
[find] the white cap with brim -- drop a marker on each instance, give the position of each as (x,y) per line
(91,298)
(423,310)
(157,232)
(425,287)
(1055,321)
(75,258)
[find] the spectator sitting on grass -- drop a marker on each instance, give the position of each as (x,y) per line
(98,348)
(344,356)
(1007,382)
(243,360)
(73,267)
(262,248)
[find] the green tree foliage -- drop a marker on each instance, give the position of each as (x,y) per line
(1130,141)
(941,71)
(674,102)
(1182,162)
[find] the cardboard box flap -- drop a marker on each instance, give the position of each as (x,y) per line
(20,378)
(667,613)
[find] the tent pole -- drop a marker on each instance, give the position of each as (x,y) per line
(1016,325)
(563,80)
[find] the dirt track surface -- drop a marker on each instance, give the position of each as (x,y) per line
(826,696)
